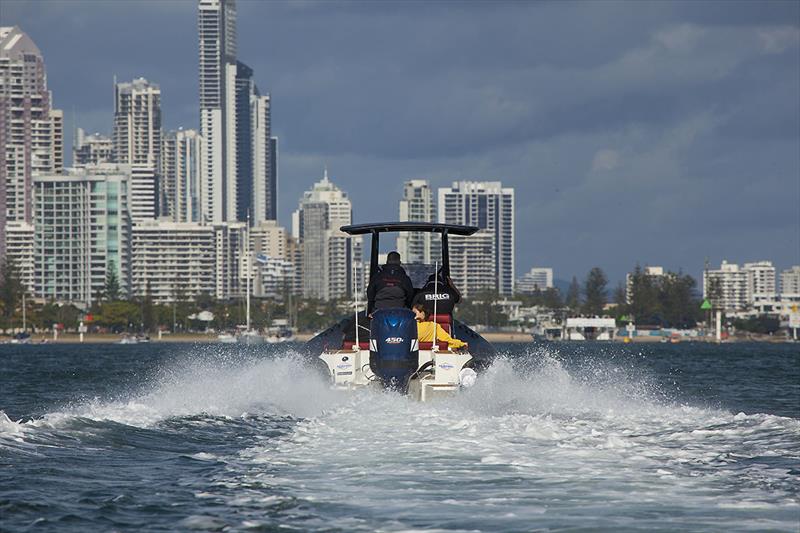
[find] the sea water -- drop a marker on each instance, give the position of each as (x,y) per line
(688,437)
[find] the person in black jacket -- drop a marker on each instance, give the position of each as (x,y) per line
(390,286)
(442,292)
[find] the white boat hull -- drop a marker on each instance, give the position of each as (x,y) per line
(445,375)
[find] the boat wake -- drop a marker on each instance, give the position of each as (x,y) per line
(537,438)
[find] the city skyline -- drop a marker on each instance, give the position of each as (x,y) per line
(708,181)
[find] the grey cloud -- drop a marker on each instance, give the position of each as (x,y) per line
(696,100)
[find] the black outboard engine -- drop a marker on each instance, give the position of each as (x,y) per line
(393,350)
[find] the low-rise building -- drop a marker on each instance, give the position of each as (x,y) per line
(535,280)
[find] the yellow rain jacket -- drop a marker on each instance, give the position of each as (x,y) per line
(425,334)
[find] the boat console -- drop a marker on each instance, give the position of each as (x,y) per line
(388,354)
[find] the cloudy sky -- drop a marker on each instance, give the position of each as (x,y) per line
(661,133)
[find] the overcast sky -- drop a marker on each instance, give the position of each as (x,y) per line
(662,133)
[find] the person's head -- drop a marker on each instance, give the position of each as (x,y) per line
(393,258)
(420,313)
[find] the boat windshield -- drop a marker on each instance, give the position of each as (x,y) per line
(419,272)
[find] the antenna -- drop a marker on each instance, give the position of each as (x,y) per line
(355,298)
(435,301)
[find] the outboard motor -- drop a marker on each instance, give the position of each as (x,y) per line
(393,347)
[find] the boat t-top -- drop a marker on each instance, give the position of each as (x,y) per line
(385,351)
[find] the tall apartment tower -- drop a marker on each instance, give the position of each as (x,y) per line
(137,142)
(31,131)
(182,170)
(331,258)
(418,205)
(490,207)
(216,22)
(255,182)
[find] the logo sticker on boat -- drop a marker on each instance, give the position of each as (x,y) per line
(446,366)
(394,340)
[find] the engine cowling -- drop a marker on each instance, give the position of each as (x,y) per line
(394,350)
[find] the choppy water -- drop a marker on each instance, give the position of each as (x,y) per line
(614,437)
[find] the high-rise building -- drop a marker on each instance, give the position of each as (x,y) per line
(91,149)
(537,279)
(418,205)
(490,207)
(727,287)
(216,21)
(81,231)
(255,183)
(790,281)
(182,170)
(761,280)
(137,142)
(272,199)
(31,131)
(329,255)
(473,263)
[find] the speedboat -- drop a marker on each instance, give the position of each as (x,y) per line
(388,354)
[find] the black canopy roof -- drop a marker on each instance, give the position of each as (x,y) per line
(452,229)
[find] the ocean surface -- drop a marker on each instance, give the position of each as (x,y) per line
(162,437)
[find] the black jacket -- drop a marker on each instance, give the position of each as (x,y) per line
(445,296)
(390,287)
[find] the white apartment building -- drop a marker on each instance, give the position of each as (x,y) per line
(31,131)
(19,250)
(418,205)
(761,284)
(490,207)
(182,171)
(274,278)
(726,287)
(535,280)
(91,149)
(329,255)
(137,142)
(263,187)
(81,231)
(216,22)
(652,272)
(790,281)
(173,261)
(473,263)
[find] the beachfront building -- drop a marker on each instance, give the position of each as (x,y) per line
(178,261)
(31,131)
(19,251)
(790,281)
(81,232)
(761,282)
(726,287)
(472,263)
(172,261)
(418,205)
(331,258)
(489,206)
(536,280)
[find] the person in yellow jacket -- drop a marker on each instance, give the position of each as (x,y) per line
(426,327)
